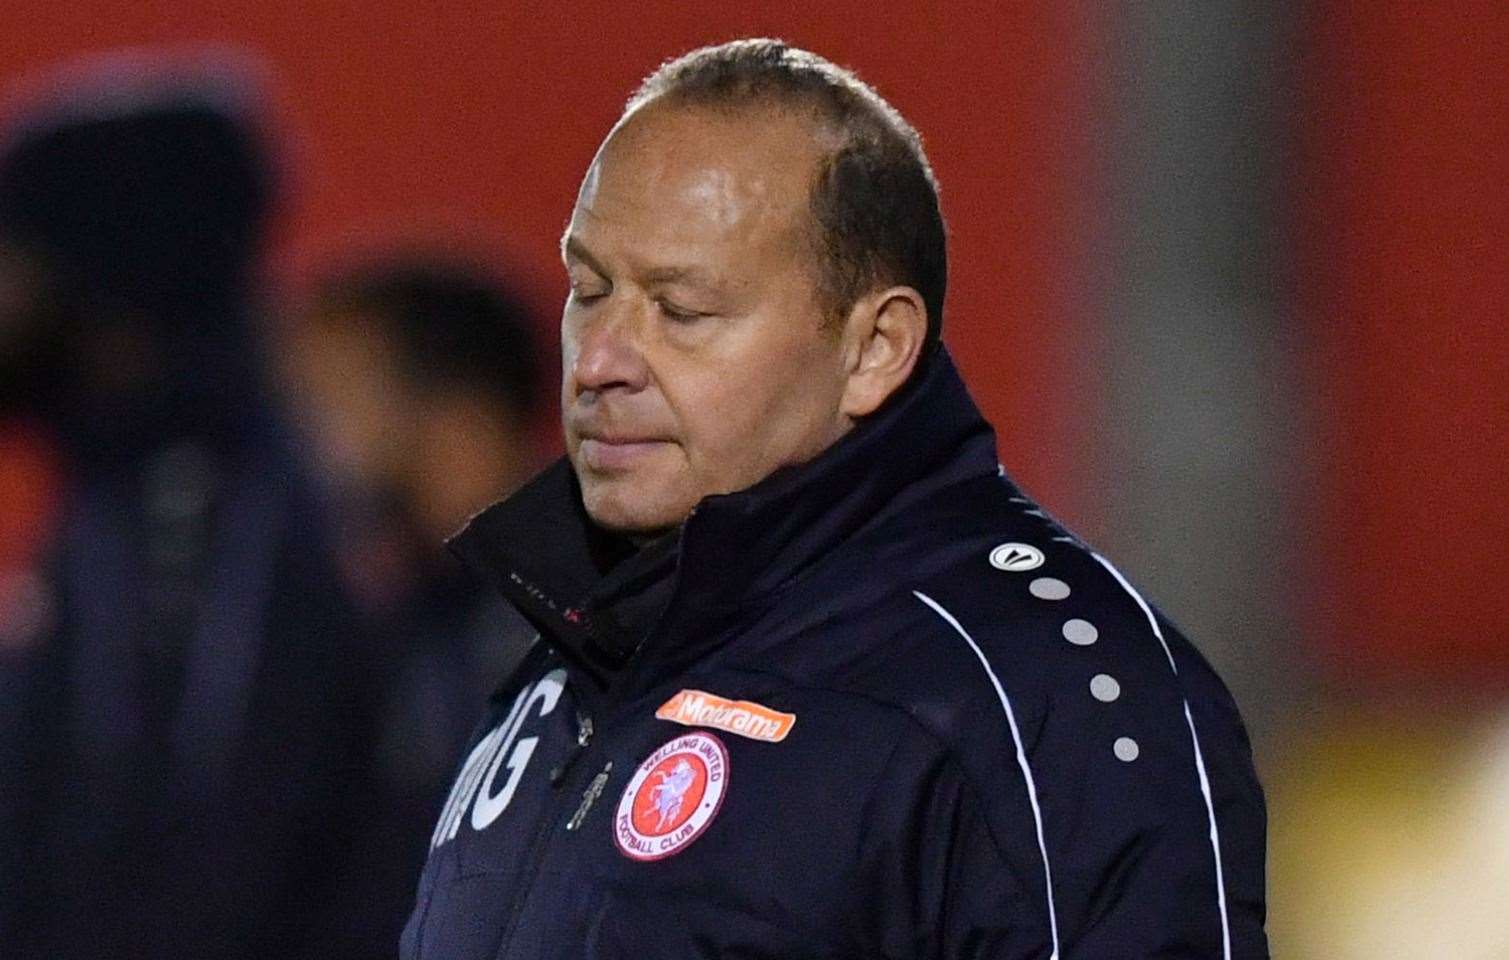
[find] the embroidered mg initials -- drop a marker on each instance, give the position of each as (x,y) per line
(477,786)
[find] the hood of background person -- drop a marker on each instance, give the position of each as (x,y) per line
(144,191)
(151,196)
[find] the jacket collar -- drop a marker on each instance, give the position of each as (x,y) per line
(547,557)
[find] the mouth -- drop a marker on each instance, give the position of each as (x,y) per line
(607,454)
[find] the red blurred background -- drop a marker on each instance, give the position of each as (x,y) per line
(450,122)
(1383,470)
(1404,277)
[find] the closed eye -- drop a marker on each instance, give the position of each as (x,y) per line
(586,296)
(679,314)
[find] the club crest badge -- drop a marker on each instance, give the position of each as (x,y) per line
(672,797)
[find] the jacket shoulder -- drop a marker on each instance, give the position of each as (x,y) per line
(1090,726)
(984,595)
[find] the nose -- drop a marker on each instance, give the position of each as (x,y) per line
(604,350)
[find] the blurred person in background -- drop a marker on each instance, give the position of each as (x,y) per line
(190,697)
(414,379)
(30,467)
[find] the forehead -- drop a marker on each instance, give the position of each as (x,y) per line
(677,178)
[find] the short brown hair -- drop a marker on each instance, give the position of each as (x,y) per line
(874,199)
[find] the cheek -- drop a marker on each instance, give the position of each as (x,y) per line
(747,417)
(569,350)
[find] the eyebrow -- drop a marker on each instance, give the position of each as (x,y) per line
(687,275)
(572,248)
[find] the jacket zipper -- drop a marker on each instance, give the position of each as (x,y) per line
(583,738)
(589,797)
(559,776)
(540,843)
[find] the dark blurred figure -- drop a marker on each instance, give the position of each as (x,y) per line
(191,702)
(415,381)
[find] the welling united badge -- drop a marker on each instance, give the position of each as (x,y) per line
(672,797)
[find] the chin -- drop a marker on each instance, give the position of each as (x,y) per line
(621,512)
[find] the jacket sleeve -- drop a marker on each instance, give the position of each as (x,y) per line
(934,878)
(1099,857)
(1153,840)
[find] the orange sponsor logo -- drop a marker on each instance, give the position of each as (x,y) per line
(698,708)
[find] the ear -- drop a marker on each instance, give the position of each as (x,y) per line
(885,332)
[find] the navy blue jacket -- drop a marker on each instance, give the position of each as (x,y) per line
(885,708)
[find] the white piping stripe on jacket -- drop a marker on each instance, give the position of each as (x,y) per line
(1021,758)
(1210,808)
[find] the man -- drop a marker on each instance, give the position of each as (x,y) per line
(413,378)
(188,758)
(814,679)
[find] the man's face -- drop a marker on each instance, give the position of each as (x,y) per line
(696,357)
